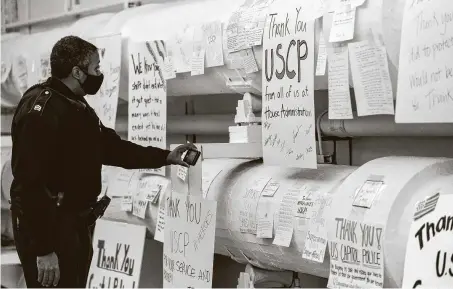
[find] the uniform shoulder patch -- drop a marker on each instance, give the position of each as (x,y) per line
(40,102)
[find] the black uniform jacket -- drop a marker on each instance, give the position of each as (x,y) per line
(60,145)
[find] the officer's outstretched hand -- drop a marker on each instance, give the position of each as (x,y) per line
(175,156)
(48,270)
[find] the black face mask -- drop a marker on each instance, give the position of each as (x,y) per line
(92,83)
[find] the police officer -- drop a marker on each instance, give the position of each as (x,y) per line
(59,146)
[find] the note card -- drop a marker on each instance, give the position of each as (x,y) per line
(249,203)
(370,73)
(271,188)
(265,217)
(213,43)
(139,205)
(183,49)
(160,223)
(322,56)
(169,69)
(343,24)
(192,221)
(367,193)
(109,48)
(316,239)
(147,96)
(425,70)
(245,26)
(338,77)
(429,246)
(288,139)
(364,269)
(285,222)
(197,64)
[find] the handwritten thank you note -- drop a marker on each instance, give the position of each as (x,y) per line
(109,48)
(425,73)
(189,242)
(429,254)
(356,255)
(117,255)
(147,95)
(288,88)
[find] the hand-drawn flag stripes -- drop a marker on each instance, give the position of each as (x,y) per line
(426,206)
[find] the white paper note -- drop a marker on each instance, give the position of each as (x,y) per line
(364,269)
(425,70)
(207,178)
(271,188)
(160,223)
(265,217)
(338,77)
(245,26)
(192,221)
(109,48)
(169,70)
(214,44)
(197,64)
(429,247)
(343,25)
(288,139)
(372,86)
(139,205)
(123,243)
(183,49)
(182,173)
(126,203)
(316,238)
(367,193)
(147,122)
(338,4)
(322,56)
(285,221)
(249,204)
(249,61)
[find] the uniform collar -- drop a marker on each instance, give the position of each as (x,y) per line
(60,87)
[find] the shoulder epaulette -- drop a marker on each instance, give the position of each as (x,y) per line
(40,102)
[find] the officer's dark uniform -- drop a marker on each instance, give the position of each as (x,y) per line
(59,145)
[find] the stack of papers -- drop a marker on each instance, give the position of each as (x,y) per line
(245,134)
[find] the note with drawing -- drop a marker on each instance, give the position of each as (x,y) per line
(370,73)
(425,73)
(214,44)
(288,138)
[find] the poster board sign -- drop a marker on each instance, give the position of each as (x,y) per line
(105,102)
(117,255)
(147,122)
(356,255)
(430,243)
(288,136)
(425,70)
(189,241)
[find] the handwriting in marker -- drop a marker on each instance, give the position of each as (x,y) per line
(415,105)
(267,125)
(300,156)
(296,133)
(309,150)
(307,131)
(289,152)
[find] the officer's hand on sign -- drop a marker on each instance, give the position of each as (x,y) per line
(175,156)
(48,270)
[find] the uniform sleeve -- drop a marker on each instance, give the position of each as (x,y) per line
(34,145)
(125,154)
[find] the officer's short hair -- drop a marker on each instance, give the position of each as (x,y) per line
(68,52)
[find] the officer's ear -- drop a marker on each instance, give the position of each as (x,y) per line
(77,73)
